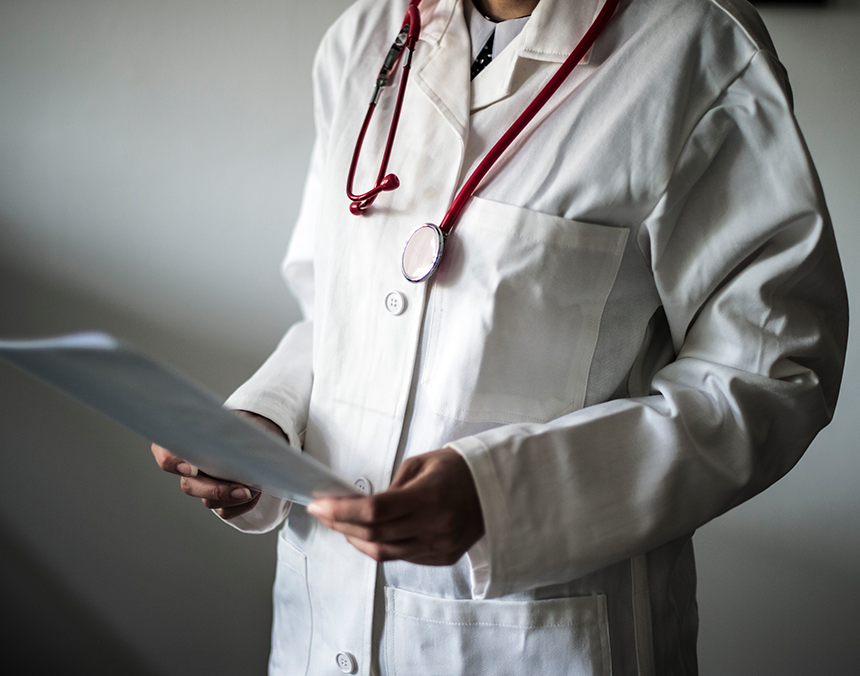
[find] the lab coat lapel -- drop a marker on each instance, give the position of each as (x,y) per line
(555,28)
(443,71)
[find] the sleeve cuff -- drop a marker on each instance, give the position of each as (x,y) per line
(486,556)
(270,511)
(270,407)
(267,515)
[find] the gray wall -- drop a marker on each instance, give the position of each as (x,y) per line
(780,576)
(151,161)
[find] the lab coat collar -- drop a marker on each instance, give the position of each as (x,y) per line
(555,28)
(443,70)
(436,16)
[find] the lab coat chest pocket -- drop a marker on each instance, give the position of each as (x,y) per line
(291,626)
(515,312)
(452,637)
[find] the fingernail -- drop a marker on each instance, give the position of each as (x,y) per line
(186,470)
(321,509)
(242,493)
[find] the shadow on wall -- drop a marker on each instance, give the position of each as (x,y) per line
(773,608)
(47,630)
(107,568)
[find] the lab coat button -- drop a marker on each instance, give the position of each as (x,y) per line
(347,663)
(395,303)
(364,486)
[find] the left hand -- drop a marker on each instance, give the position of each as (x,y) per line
(227,498)
(429,515)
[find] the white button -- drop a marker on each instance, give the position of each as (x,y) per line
(363,485)
(347,663)
(395,303)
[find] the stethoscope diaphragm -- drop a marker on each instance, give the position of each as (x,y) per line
(422,252)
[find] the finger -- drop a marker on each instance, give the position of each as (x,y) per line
(171,463)
(238,510)
(411,550)
(411,469)
(388,531)
(383,551)
(226,504)
(365,510)
(233,502)
(220,493)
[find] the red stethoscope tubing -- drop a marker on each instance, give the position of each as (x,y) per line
(468,189)
(360,203)
(384,182)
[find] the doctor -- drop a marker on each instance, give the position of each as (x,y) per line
(639,322)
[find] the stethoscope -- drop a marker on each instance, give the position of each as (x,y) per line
(423,251)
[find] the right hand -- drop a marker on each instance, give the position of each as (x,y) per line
(227,498)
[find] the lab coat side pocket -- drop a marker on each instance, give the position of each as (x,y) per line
(291,626)
(450,637)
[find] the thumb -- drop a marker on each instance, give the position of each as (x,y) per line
(410,470)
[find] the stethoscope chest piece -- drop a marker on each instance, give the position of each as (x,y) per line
(423,252)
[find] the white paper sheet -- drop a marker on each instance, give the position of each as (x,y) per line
(167,408)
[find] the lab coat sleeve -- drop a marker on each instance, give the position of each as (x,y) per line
(280,389)
(744,259)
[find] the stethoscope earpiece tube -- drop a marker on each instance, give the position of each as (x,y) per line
(390,62)
(407,37)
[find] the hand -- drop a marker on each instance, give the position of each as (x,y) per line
(227,498)
(429,515)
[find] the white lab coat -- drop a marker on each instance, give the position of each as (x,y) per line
(639,323)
